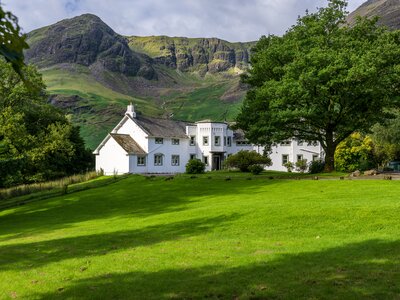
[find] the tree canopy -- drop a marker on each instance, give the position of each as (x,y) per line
(12,42)
(37,142)
(321,81)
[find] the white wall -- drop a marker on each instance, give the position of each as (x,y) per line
(306,150)
(134,168)
(167,149)
(137,133)
(211,130)
(112,159)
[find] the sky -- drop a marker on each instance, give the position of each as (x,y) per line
(231,20)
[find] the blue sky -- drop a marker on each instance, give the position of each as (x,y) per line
(232,20)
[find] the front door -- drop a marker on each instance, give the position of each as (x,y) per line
(216,163)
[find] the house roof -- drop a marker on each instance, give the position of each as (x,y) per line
(238,134)
(210,121)
(162,127)
(128,143)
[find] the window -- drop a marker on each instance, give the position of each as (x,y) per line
(312,144)
(175,160)
(159,140)
(192,156)
(205,160)
(175,141)
(299,157)
(242,143)
(141,160)
(229,141)
(217,140)
(224,140)
(158,159)
(205,140)
(300,143)
(286,143)
(192,140)
(285,159)
(315,157)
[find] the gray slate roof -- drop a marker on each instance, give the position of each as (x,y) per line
(163,127)
(238,134)
(128,143)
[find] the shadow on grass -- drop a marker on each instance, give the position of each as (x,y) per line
(366,270)
(32,255)
(135,196)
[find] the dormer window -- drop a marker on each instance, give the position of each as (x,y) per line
(159,140)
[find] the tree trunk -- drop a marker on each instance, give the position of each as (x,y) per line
(329,159)
(329,153)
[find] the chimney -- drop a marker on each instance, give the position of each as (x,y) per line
(131,111)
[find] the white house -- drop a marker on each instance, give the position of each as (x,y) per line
(141,144)
(292,150)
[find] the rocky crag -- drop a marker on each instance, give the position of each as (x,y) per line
(388,12)
(86,40)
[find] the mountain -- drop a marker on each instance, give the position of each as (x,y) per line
(86,41)
(387,10)
(92,73)
(190,54)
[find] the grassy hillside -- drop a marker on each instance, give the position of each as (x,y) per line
(101,105)
(206,238)
(99,108)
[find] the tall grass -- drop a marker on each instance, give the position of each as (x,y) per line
(62,184)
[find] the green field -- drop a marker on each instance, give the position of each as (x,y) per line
(206,238)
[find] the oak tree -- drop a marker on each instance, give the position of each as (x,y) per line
(321,81)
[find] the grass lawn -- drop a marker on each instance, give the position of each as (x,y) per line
(201,238)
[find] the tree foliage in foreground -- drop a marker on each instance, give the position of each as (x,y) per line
(12,42)
(321,81)
(37,142)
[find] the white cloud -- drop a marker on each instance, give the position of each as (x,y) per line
(233,20)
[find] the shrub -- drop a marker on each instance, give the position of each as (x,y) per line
(289,166)
(354,153)
(316,166)
(244,159)
(256,169)
(301,165)
(195,166)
